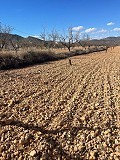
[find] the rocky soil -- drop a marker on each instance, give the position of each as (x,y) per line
(56,111)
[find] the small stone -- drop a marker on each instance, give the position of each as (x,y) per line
(20,158)
(116,141)
(4,155)
(92,133)
(92,158)
(75,148)
(107,131)
(1,149)
(92,107)
(116,158)
(12,147)
(16,153)
(15,141)
(45,156)
(83,118)
(10,103)
(94,154)
(96,104)
(23,141)
(94,94)
(33,153)
(117,153)
(104,144)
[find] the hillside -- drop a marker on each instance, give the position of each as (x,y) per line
(109,41)
(35,42)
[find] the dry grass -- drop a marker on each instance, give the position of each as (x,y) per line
(11,59)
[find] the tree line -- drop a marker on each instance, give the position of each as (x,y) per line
(51,40)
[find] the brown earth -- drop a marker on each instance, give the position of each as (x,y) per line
(62,112)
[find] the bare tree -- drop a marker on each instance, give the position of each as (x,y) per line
(67,40)
(16,44)
(83,41)
(44,37)
(77,39)
(4,35)
(85,37)
(53,38)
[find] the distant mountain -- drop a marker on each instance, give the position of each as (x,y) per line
(112,38)
(109,41)
(14,38)
(36,42)
(10,36)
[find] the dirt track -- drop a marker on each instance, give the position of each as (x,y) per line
(57,111)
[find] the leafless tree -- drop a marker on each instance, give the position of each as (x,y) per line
(4,35)
(16,44)
(54,35)
(44,37)
(82,41)
(53,38)
(67,40)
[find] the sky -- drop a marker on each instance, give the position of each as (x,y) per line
(97,18)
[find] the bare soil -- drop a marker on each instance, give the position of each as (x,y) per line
(60,111)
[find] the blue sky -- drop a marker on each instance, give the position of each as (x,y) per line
(98,18)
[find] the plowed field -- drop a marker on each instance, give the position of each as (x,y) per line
(62,112)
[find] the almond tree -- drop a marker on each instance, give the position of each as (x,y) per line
(82,42)
(16,44)
(44,37)
(53,38)
(67,40)
(4,35)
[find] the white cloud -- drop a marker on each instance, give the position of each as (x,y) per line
(116,29)
(110,24)
(35,36)
(90,30)
(102,31)
(77,28)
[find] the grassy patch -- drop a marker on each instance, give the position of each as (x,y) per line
(10,61)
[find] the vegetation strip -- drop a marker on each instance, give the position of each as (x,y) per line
(10,61)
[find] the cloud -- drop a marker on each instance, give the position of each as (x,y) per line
(77,28)
(116,29)
(110,24)
(90,30)
(102,31)
(35,36)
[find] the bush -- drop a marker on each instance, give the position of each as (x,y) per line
(9,61)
